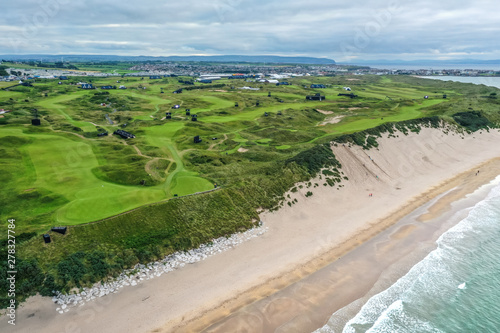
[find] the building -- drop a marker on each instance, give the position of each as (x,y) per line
(205,81)
(197,139)
(63,77)
(108,87)
(194,117)
(168,115)
(318,86)
(178,91)
(124,134)
(155,77)
(316,97)
(87,86)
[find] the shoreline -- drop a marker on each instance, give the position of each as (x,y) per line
(404,172)
(451,190)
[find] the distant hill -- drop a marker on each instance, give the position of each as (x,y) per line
(430,62)
(219,58)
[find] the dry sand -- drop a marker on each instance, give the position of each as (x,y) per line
(402,174)
(332,120)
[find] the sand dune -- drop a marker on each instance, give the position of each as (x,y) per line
(401,174)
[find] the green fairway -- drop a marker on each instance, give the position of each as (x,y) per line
(137,199)
(64,166)
(87,177)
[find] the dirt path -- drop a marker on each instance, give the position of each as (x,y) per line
(139,152)
(216,143)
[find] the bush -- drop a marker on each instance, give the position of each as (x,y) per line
(472,120)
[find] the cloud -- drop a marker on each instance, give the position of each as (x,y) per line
(367,29)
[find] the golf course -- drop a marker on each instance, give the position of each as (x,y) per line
(137,199)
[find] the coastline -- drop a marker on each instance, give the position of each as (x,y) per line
(302,239)
(396,227)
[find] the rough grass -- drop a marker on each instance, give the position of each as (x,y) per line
(66,178)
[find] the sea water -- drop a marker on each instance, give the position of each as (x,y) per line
(456,288)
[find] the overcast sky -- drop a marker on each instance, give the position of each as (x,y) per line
(339,30)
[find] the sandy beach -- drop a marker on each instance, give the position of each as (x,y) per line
(402,174)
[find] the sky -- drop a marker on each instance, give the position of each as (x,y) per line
(345,31)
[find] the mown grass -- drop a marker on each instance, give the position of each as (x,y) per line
(66,175)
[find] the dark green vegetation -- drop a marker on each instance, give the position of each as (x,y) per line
(63,173)
(2,71)
(472,120)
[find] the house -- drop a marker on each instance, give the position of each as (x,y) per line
(194,117)
(155,77)
(283,84)
(316,97)
(168,115)
(124,134)
(108,87)
(205,81)
(197,139)
(318,86)
(178,91)
(87,86)
(63,77)
(188,112)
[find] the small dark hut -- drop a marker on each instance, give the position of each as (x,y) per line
(124,134)
(197,139)
(194,117)
(168,115)
(61,230)
(46,238)
(316,97)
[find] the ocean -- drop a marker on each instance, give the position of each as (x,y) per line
(456,288)
(492,81)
